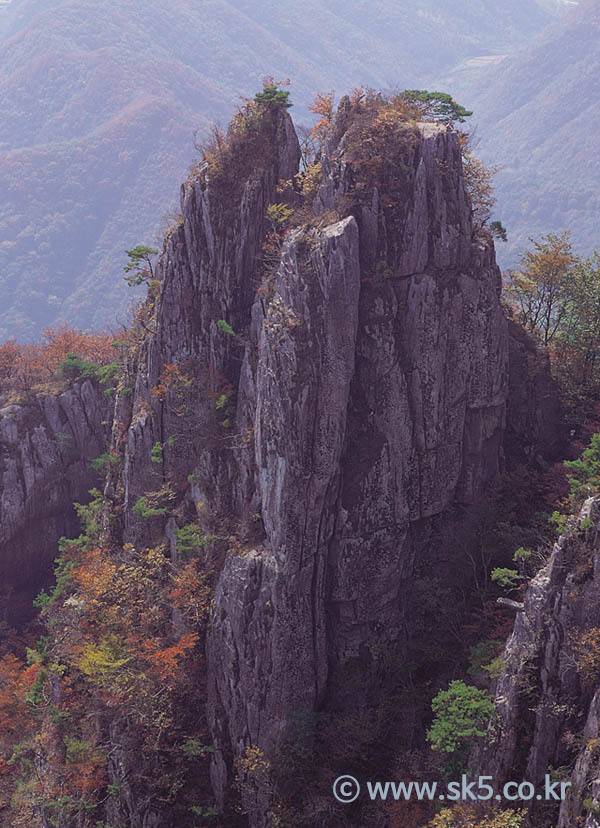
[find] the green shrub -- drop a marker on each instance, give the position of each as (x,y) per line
(504,577)
(155,504)
(143,508)
(73,367)
(156,453)
(591,807)
(482,656)
(139,267)
(105,462)
(462,713)
(584,477)
(272,95)
(194,747)
(225,327)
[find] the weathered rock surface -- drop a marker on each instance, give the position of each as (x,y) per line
(533,419)
(372,411)
(546,705)
(305,365)
(324,415)
(370,378)
(209,270)
(47,446)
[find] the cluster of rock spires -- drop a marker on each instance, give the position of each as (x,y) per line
(365,406)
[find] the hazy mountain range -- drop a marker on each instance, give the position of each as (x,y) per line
(538,119)
(100,102)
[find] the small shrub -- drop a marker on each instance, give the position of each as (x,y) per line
(271,95)
(225,327)
(584,477)
(504,577)
(155,504)
(193,747)
(105,462)
(586,648)
(73,367)
(498,231)
(156,453)
(462,713)
(190,538)
(483,655)
(591,807)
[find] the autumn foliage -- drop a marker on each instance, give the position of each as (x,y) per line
(24,366)
(123,646)
(322,106)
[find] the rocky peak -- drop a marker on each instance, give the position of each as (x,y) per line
(411,205)
(376,399)
(321,412)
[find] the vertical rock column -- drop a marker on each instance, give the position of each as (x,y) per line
(268,648)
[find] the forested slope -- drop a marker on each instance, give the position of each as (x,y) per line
(538,120)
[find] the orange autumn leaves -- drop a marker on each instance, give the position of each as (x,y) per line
(125,607)
(23,366)
(124,627)
(15,680)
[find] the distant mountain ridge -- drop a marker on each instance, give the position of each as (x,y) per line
(100,102)
(538,119)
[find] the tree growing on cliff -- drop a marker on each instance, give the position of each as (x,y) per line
(556,296)
(272,95)
(462,713)
(322,106)
(139,267)
(478,182)
(576,351)
(498,231)
(438,106)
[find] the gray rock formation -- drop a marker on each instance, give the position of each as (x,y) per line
(533,420)
(47,446)
(325,413)
(546,702)
(374,406)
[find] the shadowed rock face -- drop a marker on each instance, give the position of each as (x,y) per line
(368,382)
(47,446)
(533,420)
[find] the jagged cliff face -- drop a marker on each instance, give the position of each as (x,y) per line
(366,404)
(47,445)
(354,395)
(208,270)
(547,700)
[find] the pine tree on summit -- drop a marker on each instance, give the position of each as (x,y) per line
(438,105)
(272,95)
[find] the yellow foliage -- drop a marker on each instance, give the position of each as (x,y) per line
(466,817)
(103,660)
